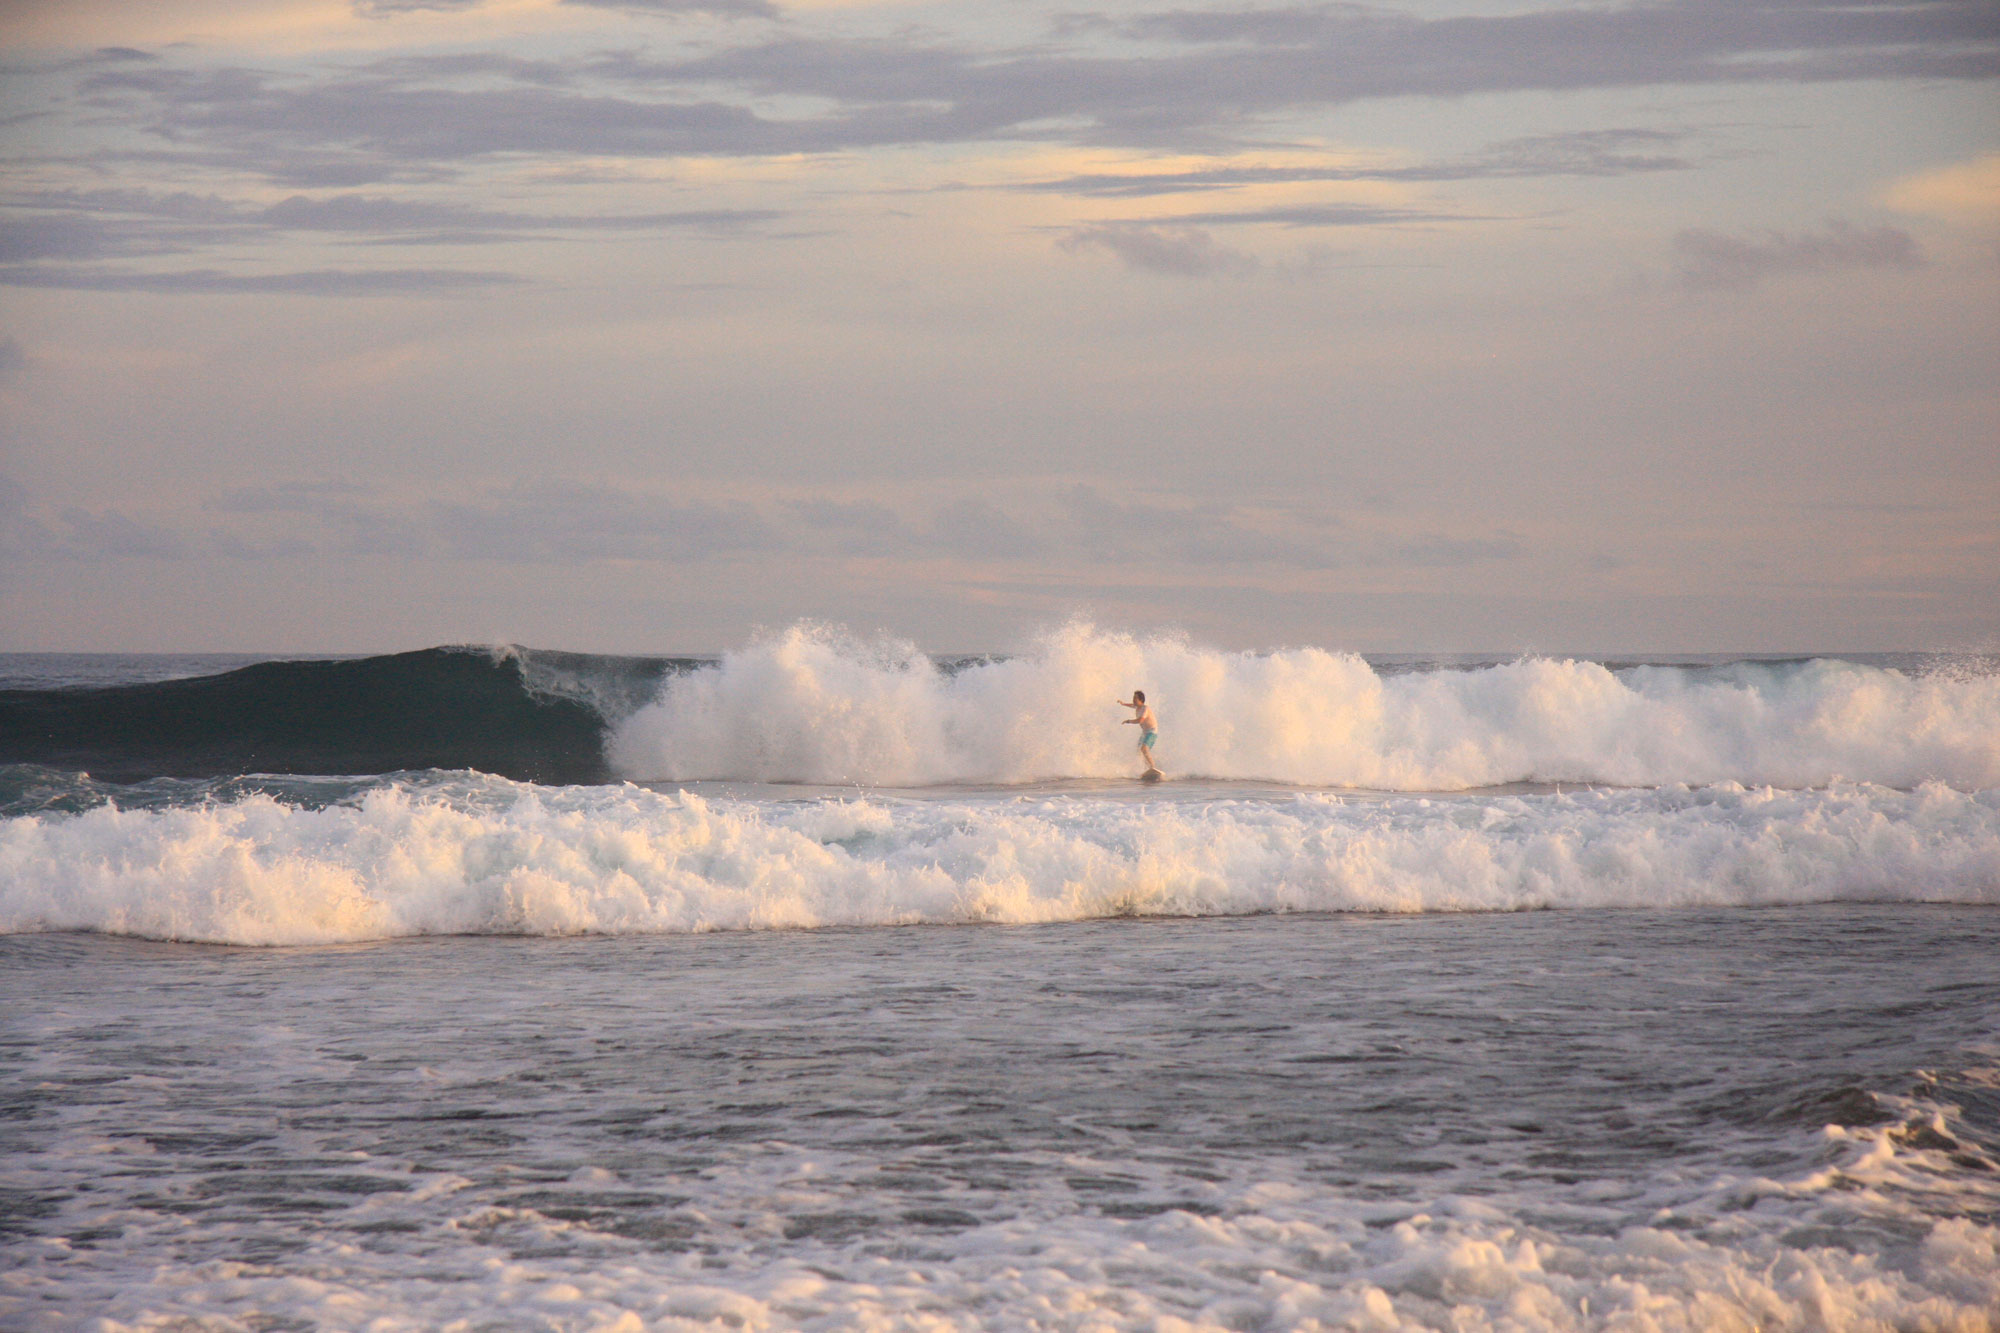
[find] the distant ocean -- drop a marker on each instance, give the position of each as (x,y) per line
(825,985)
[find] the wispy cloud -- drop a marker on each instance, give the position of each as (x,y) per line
(565,522)
(1322,215)
(1181,251)
(49,237)
(75,533)
(386,217)
(760,9)
(1126,530)
(556,521)
(1707,261)
(390,8)
(25,240)
(1437,549)
(856,527)
(52,214)
(1196,76)
(313,282)
(977,529)
(1610,152)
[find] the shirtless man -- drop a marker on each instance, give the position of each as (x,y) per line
(1142,717)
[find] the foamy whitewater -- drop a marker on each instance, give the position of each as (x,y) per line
(480,856)
(816,705)
(837,987)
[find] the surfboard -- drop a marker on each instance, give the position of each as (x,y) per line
(1151,775)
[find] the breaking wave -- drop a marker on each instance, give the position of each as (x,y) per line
(818,705)
(815,704)
(458,855)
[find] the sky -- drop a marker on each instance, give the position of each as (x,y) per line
(647,325)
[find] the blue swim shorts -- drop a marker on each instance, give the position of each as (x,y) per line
(1150,739)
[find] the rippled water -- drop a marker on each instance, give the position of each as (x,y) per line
(1785,1117)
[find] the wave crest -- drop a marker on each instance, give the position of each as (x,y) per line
(815,704)
(494,857)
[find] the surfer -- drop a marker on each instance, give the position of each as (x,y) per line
(1149,729)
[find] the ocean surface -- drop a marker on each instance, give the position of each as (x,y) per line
(821,984)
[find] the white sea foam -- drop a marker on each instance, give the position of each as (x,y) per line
(1285,1254)
(497,857)
(817,705)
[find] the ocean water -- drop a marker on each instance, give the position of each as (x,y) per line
(824,985)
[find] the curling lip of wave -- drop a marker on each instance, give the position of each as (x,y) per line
(816,705)
(491,857)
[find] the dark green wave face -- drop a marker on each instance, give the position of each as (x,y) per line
(537,718)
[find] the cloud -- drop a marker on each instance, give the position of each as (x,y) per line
(1437,550)
(1162,532)
(386,117)
(495,65)
(1323,215)
(1562,47)
(113,534)
(53,234)
(20,534)
(318,282)
(29,239)
(33,237)
(1229,66)
(1610,152)
(393,217)
(1606,152)
(567,522)
(12,358)
(178,206)
(1180,251)
(549,520)
(857,528)
(1199,77)
(377,216)
(293,497)
(1113,530)
(559,522)
(1966,192)
(1707,261)
(390,8)
(760,9)
(978,529)
(314,517)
